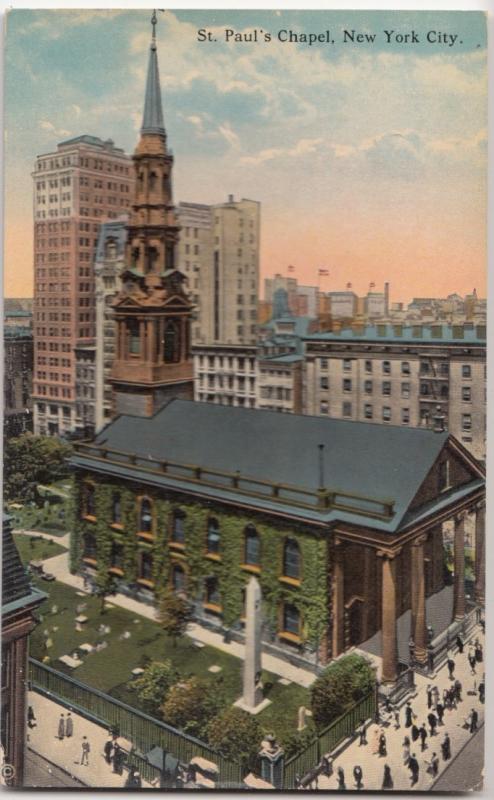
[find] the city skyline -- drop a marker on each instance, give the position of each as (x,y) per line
(387,152)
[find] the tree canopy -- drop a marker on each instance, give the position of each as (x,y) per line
(342,684)
(30,460)
(174,614)
(236,734)
(191,704)
(154,683)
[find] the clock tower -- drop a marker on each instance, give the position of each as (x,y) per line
(152,311)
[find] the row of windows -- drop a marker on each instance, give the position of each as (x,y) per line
(425,367)
(146,525)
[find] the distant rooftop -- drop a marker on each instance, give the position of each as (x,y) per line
(17,332)
(17,314)
(413,333)
(94,141)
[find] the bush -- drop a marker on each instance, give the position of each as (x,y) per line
(154,683)
(191,704)
(174,614)
(342,684)
(236,734)
(298,740)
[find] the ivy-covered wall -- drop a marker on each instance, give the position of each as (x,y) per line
(310,597)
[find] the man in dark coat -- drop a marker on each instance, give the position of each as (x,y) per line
(358,775)
(474,719)
(382,745)
(482,691)
(459,644)
(107,750)
(429,696)
(415,733)
(423,737)
(458,688)
(413,766)
(446,747)
(432,720)
(479,656)
(387,778)
(434,765)
(341,779)
(451,668)
(440,712)
(362,734)
(61,727)
(408,715)
(118,759)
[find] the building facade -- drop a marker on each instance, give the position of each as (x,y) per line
(199,497)
(195,258)
(108,267)
(402,375)
(85,389)
(18,379)
(225,374)
(84,182)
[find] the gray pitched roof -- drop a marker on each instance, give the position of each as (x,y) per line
(152,120)
(15,583)
(367,460)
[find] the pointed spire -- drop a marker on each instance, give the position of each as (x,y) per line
(152,120)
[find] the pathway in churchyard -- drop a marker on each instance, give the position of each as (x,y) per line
(59,567)
(66,753)
(373,765)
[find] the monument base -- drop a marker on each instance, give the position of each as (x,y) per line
(240,703)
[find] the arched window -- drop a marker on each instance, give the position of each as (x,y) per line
(212,592)
(146,516)
(172,343)
(89,546)
(178,527)
(111,249)
(116,556)
(252,553)
(178,578)
(88,500)
(134,337)
(146,567)
(152,180)
(291,619)
(291,559)
(116,509)
(213,537)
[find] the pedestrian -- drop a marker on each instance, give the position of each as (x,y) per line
(440,713)
(452,698)
(397,718)
(415,733)
(458,689)
(61,727)
(341,779)
(358,775)
(451,668)
(408,715)
(118,757)
(459,644)
(429,696)
(432,720)
(472,660)
(382,744)
(137,780)
(435,696)
(406,750)
(85,751)
(413,766)
(362,734)
(446,747)
(423,737)
(326,766)
(479,656)
(31,719)
(433,767)
(375,742)
(474,718)
(69,726)
(482,692)
(387,778)
(108,749)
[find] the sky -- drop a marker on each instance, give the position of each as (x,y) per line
(368,158)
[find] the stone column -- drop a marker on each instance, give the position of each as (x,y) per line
(389,639)
(368,592)
(142,338)
(338,596)
(459,556)
(480,553)
(122,344)
(419,620)
(151,341)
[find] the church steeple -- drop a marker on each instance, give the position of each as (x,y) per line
(152,312)
(152,119)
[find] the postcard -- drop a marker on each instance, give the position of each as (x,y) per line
(245,400)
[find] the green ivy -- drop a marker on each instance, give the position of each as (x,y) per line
(310,597)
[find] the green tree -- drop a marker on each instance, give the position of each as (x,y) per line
(174,614)
(342,684)
(154,683)
(105,586)
(29,460)
(236,734)
(191,704)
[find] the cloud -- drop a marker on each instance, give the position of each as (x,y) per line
(301,148)
(228,133)
(46,125)
(76,109)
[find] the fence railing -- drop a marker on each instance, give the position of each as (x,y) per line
(143,731)
(329,739)
(438,648)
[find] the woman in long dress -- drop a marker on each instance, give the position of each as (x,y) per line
(406,750)
(375,741)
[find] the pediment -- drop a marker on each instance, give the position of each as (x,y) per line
(462,469)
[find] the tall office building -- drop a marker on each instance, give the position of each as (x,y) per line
(84,182)
(195,257)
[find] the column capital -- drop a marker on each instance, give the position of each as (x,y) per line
(389,554)
(460,516)
(420,540)
(480,505)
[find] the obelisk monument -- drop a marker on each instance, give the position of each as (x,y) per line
(252,699)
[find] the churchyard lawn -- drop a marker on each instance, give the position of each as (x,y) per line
(110,669)
(34,548)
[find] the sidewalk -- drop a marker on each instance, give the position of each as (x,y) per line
(66,753)
(373,765)
(58,566)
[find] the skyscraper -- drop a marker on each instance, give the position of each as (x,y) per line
(152,312)
(85,181)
